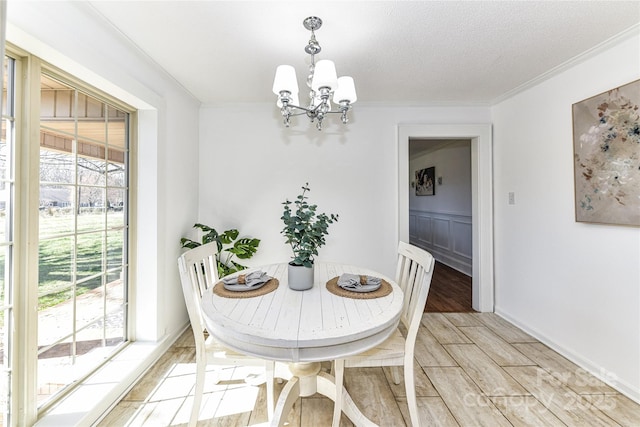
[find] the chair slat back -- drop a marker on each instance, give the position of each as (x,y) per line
(198,272)
(413,275)
(204,256)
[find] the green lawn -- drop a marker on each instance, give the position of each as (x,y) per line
(56,266)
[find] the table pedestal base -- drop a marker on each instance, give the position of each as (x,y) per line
(308,380)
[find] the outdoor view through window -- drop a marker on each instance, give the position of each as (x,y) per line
(82,234)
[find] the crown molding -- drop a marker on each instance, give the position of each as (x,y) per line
(630,32)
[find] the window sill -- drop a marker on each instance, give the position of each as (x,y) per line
(99,393)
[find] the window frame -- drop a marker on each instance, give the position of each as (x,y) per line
(23,404)
(8,304)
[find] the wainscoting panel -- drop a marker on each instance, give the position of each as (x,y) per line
(448,237)
(423,230)
(462,234)
(441,234)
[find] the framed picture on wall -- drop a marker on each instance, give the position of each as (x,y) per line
(606,151)
(425,182)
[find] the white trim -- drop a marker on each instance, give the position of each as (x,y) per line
(47,53)
(590,53)
(481,197)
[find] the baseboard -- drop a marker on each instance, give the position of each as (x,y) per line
(450,261)
(459,267)
(586,364)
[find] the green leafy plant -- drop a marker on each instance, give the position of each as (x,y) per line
(229,246)
(305,228)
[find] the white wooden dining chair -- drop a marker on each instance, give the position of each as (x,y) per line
(198,273)
(413,275)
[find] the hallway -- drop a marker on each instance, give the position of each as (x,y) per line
(450,291)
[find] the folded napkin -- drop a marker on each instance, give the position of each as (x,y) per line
(354,281)
(250,279)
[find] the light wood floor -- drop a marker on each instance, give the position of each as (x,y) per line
(472,369)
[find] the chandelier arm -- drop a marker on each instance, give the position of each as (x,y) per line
(306,110)
(302,113)
(297,107)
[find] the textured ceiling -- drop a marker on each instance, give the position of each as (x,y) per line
(408,52)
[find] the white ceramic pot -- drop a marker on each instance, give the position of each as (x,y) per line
(300,277)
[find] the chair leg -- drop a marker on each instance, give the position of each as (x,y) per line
(410,388)
(199,388)
(338,372)
(269,367)
(395,375)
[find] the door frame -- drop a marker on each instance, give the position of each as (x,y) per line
(481,197)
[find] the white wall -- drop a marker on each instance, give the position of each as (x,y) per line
(249,164)
(70,36)
(575,285)
(453,164)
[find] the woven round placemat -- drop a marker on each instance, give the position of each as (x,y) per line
(270,286)
(384,290)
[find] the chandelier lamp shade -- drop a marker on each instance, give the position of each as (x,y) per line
(323,84)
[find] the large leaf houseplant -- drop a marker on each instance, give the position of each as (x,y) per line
(304,229)
(229,247)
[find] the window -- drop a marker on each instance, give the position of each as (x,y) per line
(83,227)
(64,234)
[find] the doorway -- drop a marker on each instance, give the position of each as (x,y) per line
(482,197)
(450,291)
(440,219)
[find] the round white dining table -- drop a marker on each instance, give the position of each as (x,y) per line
(304,328)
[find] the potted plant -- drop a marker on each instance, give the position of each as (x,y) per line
(305,230)
(242,248)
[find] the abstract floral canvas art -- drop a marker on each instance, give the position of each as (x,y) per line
(606,143)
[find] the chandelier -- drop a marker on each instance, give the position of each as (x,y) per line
(322,82)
